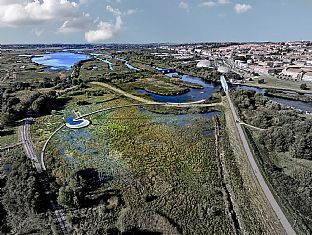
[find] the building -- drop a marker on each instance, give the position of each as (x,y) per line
(74,123)
(204,64)
(293,72)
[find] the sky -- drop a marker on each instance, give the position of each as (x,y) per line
(146,21)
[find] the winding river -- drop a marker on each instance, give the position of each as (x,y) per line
(65,60)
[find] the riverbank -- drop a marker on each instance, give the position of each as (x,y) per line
(279,84)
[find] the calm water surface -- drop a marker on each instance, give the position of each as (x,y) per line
(60,60)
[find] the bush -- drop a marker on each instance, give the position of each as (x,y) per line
(303,86)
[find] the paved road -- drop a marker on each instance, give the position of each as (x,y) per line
(57,212)
(277,209)
(28,146)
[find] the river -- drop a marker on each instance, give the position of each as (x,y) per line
(209,88)
(65,60)
(300,105)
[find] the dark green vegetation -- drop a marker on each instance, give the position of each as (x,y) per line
(283,151)
(15,106)
(23,209)
(304,86)
(288,95)
(20,89)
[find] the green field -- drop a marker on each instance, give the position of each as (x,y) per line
(136,170)
(271,82)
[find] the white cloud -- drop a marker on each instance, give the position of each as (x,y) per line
(107,30)
(184,5)
(223,2)
(242,8)
(77,24)
(208,4)
(214,3)
(16,13)
(117,12)
(104,31)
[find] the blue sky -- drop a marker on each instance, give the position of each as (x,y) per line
(143,21)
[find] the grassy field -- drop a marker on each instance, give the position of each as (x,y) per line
(9,136)
(146,171)
(271,82)
(154,85)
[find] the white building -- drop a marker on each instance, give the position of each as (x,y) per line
(204,64)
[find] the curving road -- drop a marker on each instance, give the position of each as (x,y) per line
(277,209)
(57,212)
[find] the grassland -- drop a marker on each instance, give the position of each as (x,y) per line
(271,82)
(144,171)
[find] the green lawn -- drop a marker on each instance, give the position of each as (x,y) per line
(271,82)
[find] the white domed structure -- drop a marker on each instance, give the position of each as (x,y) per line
(204,64)
(223,69)
(74,123)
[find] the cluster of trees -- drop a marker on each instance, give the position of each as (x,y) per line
(4,229)
(295,137)
(288,134)
(294,189)
(304,86)
(13,108)
(59,83)
(73,193)
(23,207)
(286,130)
(19,86)
(77,68)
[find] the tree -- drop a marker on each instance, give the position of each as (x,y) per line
(303,86)
(24,200)
(261,81)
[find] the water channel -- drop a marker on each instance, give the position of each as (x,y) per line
(65,60)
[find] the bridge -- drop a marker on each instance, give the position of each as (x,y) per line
(224,84)
(265,188)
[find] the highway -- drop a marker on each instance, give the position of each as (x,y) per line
(277,209)
(57,212)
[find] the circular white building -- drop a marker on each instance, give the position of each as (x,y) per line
(223,69)
(74,123)
(203,64)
